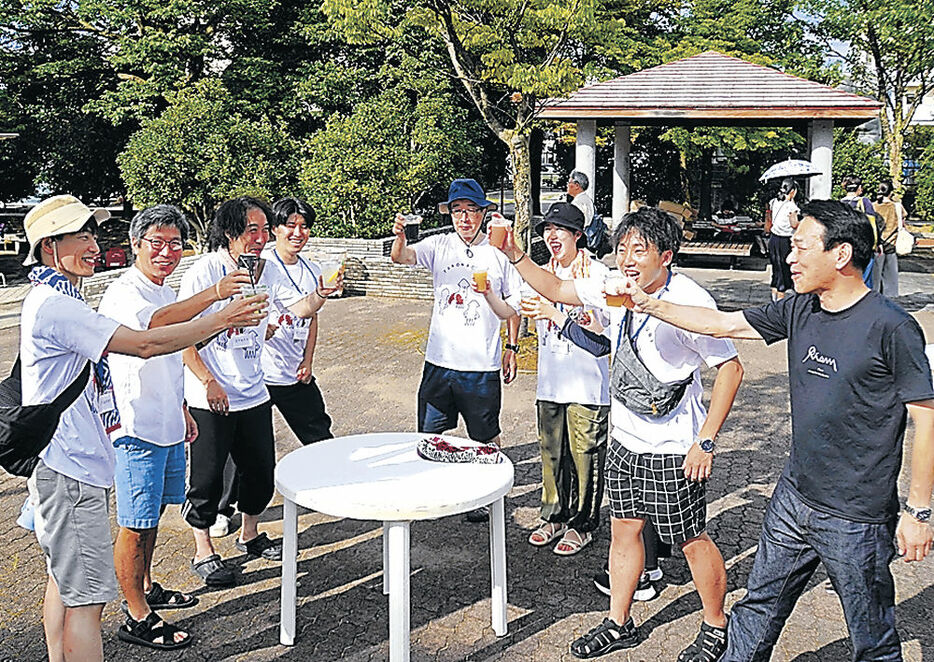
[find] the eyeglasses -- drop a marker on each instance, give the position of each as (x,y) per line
(159,244)
(466,210)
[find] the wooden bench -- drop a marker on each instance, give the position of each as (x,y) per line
(730,248)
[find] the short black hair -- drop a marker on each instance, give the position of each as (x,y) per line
(159,216)
(851,183)
(230,220)
(655,226)
(843,225)
(90,226)
(285,207)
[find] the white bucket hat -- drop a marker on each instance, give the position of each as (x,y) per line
(57,215)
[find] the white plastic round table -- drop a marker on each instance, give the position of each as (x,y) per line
(381,477)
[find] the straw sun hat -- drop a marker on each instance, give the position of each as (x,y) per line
(57,215)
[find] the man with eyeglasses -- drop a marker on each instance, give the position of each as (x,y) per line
(150,445)
(463,358)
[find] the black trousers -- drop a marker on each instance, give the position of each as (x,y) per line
(246,438)
(302,407)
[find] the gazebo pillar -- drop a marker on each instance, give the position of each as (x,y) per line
(585,153)
(621,142)
(821,146)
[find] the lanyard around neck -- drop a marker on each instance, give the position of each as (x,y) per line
(301,263)
(619,337)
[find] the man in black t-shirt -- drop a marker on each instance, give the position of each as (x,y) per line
(856,369)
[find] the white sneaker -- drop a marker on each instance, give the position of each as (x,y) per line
(221,526)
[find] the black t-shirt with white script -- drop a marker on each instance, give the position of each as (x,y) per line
(850,374)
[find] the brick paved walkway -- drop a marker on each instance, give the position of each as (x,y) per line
(368,364)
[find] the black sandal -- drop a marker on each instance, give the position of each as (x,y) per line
(606,638)
(148,630)
(164,598)
(214,571)
(709,645)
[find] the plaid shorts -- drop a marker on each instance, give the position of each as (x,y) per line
(653,487)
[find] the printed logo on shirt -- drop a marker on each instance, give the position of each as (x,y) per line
(821,363)
(240,339)
(459,300)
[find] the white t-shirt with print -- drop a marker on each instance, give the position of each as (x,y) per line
(464,333)
(567,373)
(671,354)
(781,217)
(149,392)
(283,353)
(234,355)
(58,336)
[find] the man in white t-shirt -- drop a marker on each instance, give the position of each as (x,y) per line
(463,357)
(149,446)
(69,487)
(226,393)
(662,445)
(573,400)
(289,351)
(578,183)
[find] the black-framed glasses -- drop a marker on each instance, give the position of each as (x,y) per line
(158,244)
(466,210)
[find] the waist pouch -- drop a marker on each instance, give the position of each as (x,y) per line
(636,387)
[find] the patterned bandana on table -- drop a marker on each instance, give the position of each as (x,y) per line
(44,275)
(580,268)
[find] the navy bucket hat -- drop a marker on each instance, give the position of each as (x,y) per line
(466,189)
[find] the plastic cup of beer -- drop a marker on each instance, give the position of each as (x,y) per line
(529,299)
(330,268)
(617,300)
(498,226)
(412,224)
(479,278)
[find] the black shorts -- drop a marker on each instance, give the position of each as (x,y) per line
(653,487)
(445,393)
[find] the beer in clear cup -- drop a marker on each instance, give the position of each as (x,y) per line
(479,278)
(497,228)
(615,282)
(412,224)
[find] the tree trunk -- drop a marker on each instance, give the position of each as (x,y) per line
(521,184)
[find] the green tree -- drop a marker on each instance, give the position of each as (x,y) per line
(201,151)
(890,55)
(851,156)
(382,158)
(47,75)
(508,55)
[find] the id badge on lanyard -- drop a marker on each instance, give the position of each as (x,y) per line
(300,330)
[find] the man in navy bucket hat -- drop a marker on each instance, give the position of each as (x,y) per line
(475,289)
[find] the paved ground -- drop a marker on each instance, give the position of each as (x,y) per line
(369,363)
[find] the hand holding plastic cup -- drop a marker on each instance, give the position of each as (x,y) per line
(613,287)
(498,226)
(412,224)
(529,301)
(330,269)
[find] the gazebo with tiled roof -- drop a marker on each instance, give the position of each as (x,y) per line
(710,89)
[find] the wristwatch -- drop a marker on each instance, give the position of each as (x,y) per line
(920,514)
(706,445)
(514,348)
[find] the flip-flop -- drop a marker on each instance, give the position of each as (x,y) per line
(568,546)
(546,533)
(146,631)
(165,598)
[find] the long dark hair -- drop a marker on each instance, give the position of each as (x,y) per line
(230,220)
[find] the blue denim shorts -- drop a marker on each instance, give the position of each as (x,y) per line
(445,393)
(147,478)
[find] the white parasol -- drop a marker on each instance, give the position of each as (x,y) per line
(790,168)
